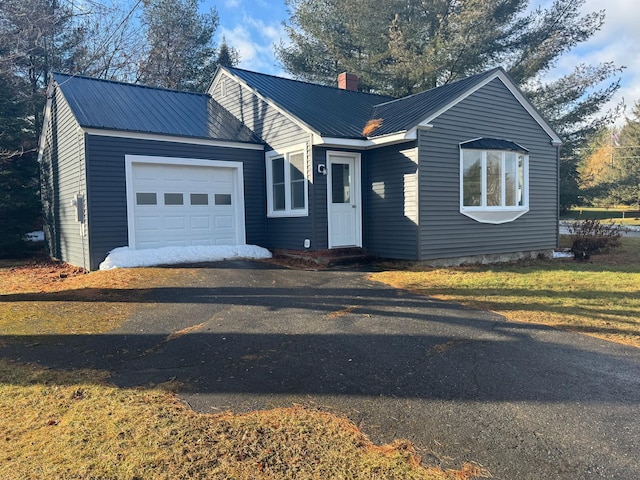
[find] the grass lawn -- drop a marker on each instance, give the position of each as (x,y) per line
(600,297)
(76,425)
(624,215)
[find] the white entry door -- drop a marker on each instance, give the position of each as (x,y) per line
(343,199)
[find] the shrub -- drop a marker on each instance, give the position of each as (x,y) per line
(592,236)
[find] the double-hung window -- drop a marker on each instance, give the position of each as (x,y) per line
(494,180)
(287,182)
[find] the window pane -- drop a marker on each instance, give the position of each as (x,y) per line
(222,199)
(199,199)
(520,194)
(173,199)
(494,179)
(472,178)
(297,166)
(340,183)
(146,199)
(278,187)
(297,195)
(278,197)
(510,179)
(277,170)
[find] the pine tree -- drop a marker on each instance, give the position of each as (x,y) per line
(625,179)
(19,202)
(401,47)
(181,53)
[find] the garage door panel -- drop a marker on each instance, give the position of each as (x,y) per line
(149,244)
(148,223)
(175,242)
(174,223)
(201,241)
(224,241)
(195,205)
(223,222)
(199,222)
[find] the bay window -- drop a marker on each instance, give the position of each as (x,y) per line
(494,180)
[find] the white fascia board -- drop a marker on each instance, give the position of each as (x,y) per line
(267,100)
(45,123)
(169,138)
(362,144)
(515,91)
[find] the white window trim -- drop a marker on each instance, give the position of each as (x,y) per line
(499,214)
(285,153)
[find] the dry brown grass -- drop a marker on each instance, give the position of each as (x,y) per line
(74,425)
(47,298)
(600,297)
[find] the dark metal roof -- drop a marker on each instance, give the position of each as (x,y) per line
(106,104)
(340,113)
(329,111)
(405,113)
(493,144)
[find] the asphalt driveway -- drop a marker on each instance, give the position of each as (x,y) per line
(525,401)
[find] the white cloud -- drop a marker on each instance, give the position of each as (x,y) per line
(232,3)
(617,41)
(254,39)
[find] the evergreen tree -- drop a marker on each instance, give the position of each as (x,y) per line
(624,187)
(401,47)
(19,202)
(227,56)
(36,37)
(181,53)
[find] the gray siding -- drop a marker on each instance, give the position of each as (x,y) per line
(444,231)
(390,195)
(268,123)
(107,206)
(279,132)
(63,173)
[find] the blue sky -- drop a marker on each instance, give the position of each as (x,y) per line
(253,27)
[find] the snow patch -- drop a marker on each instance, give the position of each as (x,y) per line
(125,257)
(37,236)
(562,255)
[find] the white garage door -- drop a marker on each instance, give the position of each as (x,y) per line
(184,204)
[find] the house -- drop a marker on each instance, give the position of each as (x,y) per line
(468,169)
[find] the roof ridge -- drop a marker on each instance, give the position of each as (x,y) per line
(129,84)
(305,82)
(481,74)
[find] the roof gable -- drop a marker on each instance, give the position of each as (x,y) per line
(326,111)
(419,110)
(105,104)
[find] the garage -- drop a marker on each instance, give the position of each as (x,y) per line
(184,202)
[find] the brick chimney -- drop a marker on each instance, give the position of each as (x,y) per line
(348,81)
